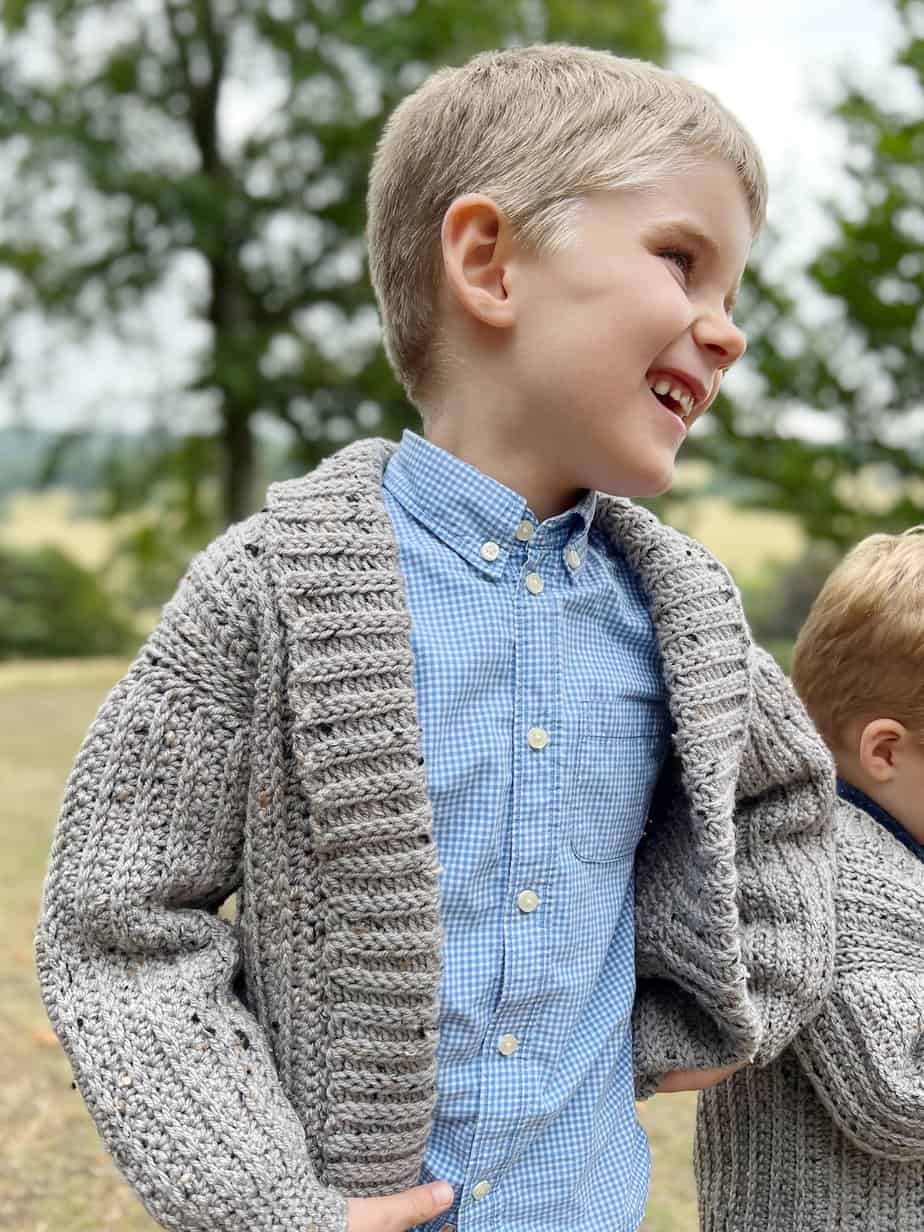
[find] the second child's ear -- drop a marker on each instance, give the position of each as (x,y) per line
(477,243)
(882,744)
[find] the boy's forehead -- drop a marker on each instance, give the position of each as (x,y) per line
(703,197)
(712,224)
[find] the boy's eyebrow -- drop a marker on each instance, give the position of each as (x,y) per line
(695,235)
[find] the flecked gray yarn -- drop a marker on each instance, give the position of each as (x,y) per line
(831,1135)
(265,741)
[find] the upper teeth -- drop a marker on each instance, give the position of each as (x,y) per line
(679,395)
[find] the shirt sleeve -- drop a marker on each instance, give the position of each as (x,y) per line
(136,967)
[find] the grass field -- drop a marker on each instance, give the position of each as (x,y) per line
(744,540)
(54,1175)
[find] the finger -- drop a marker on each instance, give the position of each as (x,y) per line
(401,1211)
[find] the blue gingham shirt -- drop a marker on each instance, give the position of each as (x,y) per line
(544,726)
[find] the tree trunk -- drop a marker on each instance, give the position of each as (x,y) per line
(238,470)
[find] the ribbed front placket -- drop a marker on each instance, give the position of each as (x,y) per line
(513,1075)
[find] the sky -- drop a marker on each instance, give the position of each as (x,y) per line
(777,65)
(774,64)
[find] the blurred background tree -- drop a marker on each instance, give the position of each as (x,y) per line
(219,150)
(127,170)
(833,430)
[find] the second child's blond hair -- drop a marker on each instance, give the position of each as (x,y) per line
(537,129)
(860,653)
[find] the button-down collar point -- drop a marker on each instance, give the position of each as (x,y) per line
(490,550)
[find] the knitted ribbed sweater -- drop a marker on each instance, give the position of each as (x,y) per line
(265,742)
(831,1135)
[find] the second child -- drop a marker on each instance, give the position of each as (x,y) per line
(831,1135)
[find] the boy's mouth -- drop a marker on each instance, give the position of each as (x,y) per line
(681,404)
(673,402)
(676,395)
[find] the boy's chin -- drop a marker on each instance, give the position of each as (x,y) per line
(642,487)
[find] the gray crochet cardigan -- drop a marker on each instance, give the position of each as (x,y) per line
(246,1077)
(831,1135)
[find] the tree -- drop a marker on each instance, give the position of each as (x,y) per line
(115,120)
(859,364)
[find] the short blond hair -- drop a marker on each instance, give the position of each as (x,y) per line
(537,129)
(860,653)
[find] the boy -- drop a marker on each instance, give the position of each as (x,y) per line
(831,1135)
(458,646)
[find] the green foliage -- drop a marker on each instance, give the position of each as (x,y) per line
(124,141)
(50,606)
(861,370)
(778,603)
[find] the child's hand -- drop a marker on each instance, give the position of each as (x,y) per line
(400,1211)
(695,1079)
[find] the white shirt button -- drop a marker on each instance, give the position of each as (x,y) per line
(525,532)
(527,900)
(537,738)
(507,1045)
(573,558)
(534,583)
(481,1190)
(490,550)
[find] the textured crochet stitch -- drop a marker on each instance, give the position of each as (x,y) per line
(249,1077)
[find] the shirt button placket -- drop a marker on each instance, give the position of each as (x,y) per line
(527,901)
(537,738)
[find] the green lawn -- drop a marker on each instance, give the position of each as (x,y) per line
(54,1176)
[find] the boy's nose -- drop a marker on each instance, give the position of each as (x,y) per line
(720,337)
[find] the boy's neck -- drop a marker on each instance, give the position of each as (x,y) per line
(852,773)
(497,451)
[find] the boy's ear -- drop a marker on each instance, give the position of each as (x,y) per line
(476,242)
(882,744)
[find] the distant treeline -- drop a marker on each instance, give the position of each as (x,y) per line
(33,458)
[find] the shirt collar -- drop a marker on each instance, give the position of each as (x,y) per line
(853,795)
(475,515)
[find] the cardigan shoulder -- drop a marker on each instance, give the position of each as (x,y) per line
(879,895)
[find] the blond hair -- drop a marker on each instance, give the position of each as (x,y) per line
(537,129)
(860,653)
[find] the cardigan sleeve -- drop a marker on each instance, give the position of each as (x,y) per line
(785,861)
(864,1055)
(774,875)
(136,967)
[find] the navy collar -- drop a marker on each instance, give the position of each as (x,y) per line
(859,799)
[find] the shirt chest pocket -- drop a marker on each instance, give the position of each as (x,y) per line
(615,769)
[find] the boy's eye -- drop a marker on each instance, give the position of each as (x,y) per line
(684,260)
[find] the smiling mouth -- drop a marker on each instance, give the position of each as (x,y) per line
(670,403)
